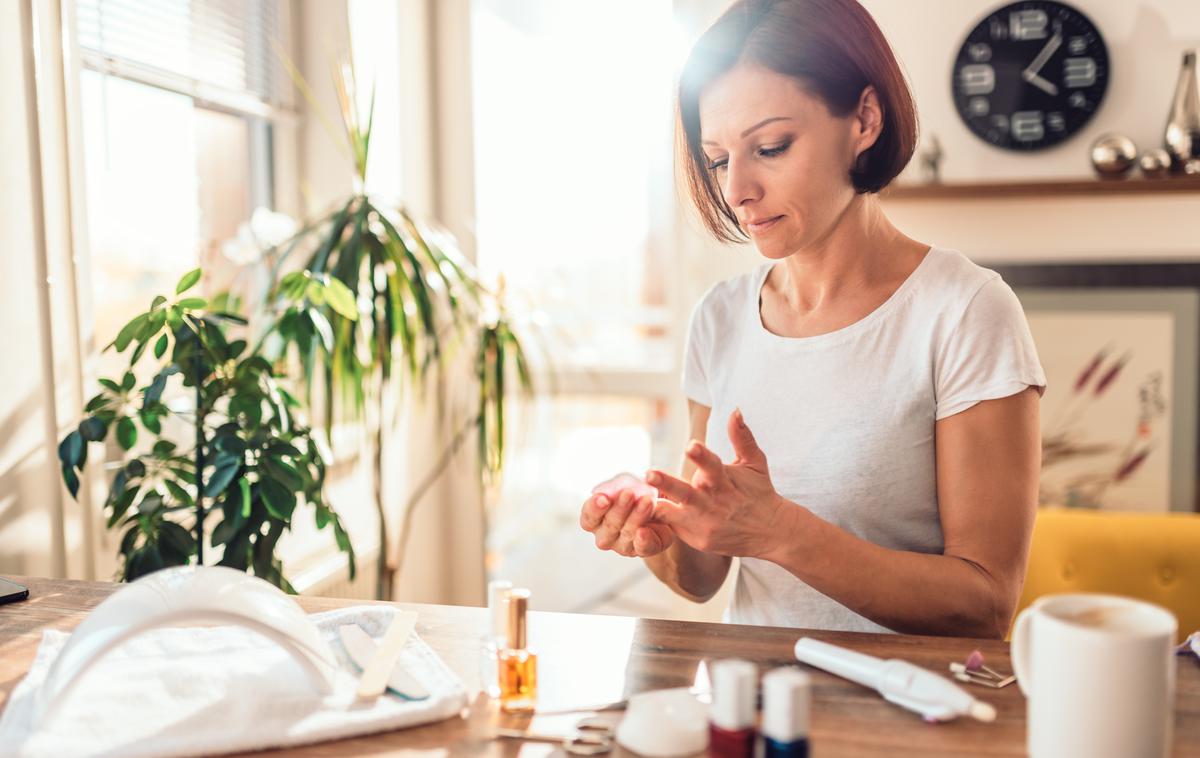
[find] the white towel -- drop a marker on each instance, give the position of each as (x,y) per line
(206,691)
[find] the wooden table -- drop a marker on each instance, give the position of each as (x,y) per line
(587,659)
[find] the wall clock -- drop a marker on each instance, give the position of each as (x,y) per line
(1030,75)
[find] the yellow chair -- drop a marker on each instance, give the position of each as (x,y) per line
(1148,556)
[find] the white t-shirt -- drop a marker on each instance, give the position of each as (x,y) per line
(846,419)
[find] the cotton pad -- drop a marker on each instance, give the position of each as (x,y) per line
(624,481)
(664,723)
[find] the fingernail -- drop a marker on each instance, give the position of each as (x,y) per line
(740,418)
(643,505)
(652,478)
(602,502)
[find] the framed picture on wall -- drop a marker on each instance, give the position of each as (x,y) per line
(1120,343)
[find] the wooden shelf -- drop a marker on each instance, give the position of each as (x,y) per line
(1061,188)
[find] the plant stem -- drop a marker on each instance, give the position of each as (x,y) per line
(199,468)
(426,483)
(383,579)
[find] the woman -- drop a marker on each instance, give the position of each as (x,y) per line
(890,480)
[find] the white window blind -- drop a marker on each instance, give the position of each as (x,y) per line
(219,52)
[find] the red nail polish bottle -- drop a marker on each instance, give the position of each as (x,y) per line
(731,716)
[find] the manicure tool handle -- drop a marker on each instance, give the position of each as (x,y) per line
(375,676)
(857,667)
(908,686)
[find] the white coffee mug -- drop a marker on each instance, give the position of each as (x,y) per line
(1098,674)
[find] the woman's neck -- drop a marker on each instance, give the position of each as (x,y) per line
(861,250)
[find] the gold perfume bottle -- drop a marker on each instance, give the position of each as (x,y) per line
(517,665)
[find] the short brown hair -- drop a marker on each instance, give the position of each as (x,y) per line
(834,49)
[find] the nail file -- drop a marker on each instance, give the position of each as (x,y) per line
(378,659)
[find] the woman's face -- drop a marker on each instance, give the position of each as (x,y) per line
(780,158)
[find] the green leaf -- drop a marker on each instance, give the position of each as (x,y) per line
(96,403)
(126,433)
(70,450)
(283,472)
(181,495)
(237,552)
(192,303)
(120,504)
(93,429)
(316,292)
(292,285)
(187,281)
(279,500)
(110,384)
(70,480)
(221,479)
(231,317)
(128,381)
(151,422)
(158,300)
(341,299)
(126,335)
(176,538)
(155,390)
(245,487)
(129,539)
(321,516)
(137,353)
(143,561)
(160,347)
(283,448)
(224,531)
(150,503)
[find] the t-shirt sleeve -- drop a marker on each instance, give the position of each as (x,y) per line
(990,353)
(697,348)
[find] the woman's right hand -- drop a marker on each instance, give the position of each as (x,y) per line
(626,525)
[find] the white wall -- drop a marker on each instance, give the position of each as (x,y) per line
(1146,40)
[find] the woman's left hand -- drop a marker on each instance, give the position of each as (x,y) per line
(729,509)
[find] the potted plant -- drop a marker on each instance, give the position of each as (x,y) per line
(408,296)
(243,457)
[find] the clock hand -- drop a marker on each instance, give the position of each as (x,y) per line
(1040,83)
(1036,64)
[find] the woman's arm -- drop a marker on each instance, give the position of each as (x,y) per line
(988,459)
(691,573)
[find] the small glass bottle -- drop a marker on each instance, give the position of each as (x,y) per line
(787,699)
(731,715)
(517,664)
(493,638)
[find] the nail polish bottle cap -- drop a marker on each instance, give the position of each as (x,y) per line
(734,690)
(497,618)
(787,698)
(518,604)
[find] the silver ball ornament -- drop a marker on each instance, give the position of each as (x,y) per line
(1155,163)
(1113,155)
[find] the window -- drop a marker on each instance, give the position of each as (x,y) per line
(572,105)
(179,101)
(181,105)
(575,207)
